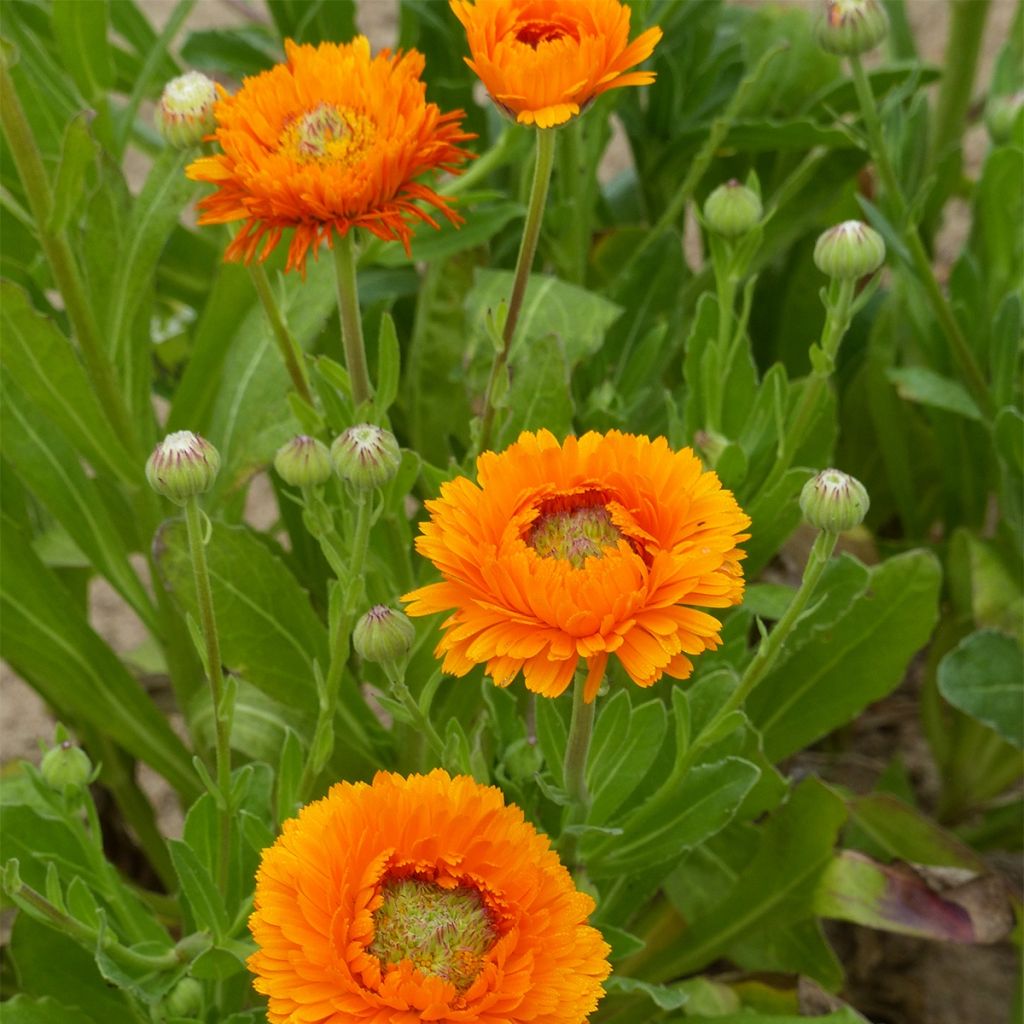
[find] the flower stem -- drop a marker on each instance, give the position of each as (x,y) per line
(421,721)
(574,766)
(769,649)
(289,348)
(351,321)
(968,365)
(57,249)
(352,581)
(221,713)
(527,251)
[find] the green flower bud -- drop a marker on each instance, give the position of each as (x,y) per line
(182,465)
(852,27)
(303,462)
(1001,114)
(184,115)
(383,635)
(66,766)
(732,210)
(849,250)
(186,999)
(834,501)
(366,456)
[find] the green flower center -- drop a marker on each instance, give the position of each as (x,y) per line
(575,533)
(443,932)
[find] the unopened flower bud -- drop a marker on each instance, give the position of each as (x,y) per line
(732,210)
(184,114)
(366,456)
(383,635)
(182,465)
(852,27)
(186,999)
(849,250)
(303,462)
(834,501)
(66,766)
(1001,114)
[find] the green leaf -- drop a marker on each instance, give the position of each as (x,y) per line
(623,943)
(389,359)
(859,659)
(984,677)
(664,997)
(78,152)
(269,633)
(81,34)
(48,641)
(206,903)
(847,1015)
(626,742)
(919,384)
(552,734)
(775,889)
(314,21)
(540,394)
(42,362)
(26,1010)
(659,832)
(235,52)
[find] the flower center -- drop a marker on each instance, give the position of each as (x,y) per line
(327,134)
(533,33)
(573,529)
(443,932)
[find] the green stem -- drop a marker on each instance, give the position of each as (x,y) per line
(725,286)
(966,28)
(323,735)
(421,721)
(221,714)
(574,766)
(968,365)
(527,250)
(289,348)
(351,321)
(769,649)
(58,253)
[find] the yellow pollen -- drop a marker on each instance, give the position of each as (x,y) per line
(327,134)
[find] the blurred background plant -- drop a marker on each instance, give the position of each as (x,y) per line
(873,775)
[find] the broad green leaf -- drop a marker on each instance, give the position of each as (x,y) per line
(539,395)
(53,472)
(81,34)
(26,1010)
(79,150)
(41,361)
(236,52)
(206,903)
(775,889)
(920,384)
(623,943)
(269,633)
(847,1015)
(552,734)
(663,996)
(661,831)
(626,742)
(48,642)
(389,359)
(984,677)
(314,21)
(860,659)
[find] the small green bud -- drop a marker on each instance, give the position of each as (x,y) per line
(366,456)
(182,465)
(66,766)
(732,210)
(849,250)
(1001,114)
(383,635)
(834,501)
(303,462)
(852,27)
(186,999)
(184,115)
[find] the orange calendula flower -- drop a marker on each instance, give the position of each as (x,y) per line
(606,544)
(543,61)
(421,899)
(331,140)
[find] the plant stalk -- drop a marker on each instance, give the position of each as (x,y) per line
(574,766)
(524,262)
(351,320)
(221,714)
(291,353)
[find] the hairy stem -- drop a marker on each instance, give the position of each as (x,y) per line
(351,320)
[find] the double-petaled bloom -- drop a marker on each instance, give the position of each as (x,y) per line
(331,140)
(609,544)
(421,899)
(543,61)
